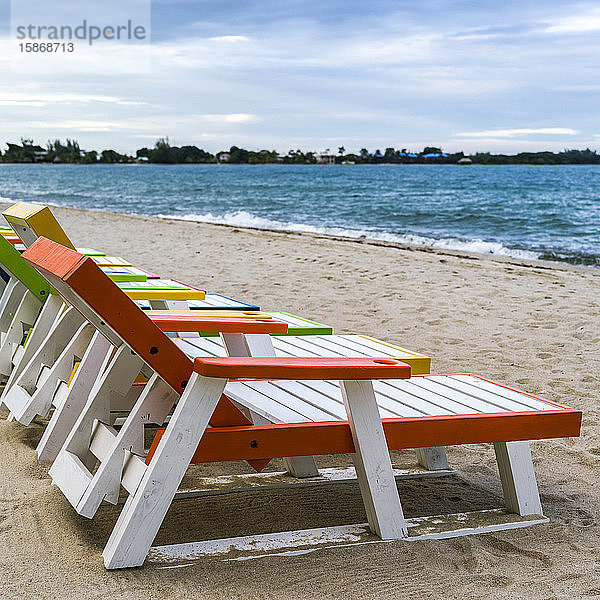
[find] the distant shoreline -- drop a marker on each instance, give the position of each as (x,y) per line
(279,164)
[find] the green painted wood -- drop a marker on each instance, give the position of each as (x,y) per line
(90,252)
(124,277)
(296,325)
(12,263)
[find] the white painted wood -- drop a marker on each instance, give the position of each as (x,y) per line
(17,356)
(60,334)
(70,401)
(71,476)
(305,541)
(41,400)
(144,511)
(387,406)
(103,439)
(524,400)
(114,383)
(4,283)
(372,461)
(23,318)
(472,397)
(433,458)
(11,298)
(44,323)
(518,478)
(134,467)
(245,394)
(153,405)
(234,344)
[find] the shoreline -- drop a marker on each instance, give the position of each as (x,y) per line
(436,250)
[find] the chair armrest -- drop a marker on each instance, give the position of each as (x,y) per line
(301,368)
(203,324)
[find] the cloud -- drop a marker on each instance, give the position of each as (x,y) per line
(232,118)
(32,97)
(229,38)
(584,22)
(511,133)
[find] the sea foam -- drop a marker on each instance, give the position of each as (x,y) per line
(243,218)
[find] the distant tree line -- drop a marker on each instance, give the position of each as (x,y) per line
(70,152)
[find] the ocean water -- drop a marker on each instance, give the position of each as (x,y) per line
(549,212)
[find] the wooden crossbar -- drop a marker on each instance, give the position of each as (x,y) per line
(334,437)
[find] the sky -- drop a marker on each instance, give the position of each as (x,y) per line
(462,75)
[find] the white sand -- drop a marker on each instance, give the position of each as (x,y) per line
(532,325)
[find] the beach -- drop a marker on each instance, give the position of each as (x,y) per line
(530,324)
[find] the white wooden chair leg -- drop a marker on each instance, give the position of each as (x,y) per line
(145,510)
(46,319)
(9,302)
(24,316)
(518,478)
(433,458)
(372,461)
(65,415)
(258,344)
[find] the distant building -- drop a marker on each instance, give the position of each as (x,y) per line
(223,156)
(465,161)
(325,159)
(40,155)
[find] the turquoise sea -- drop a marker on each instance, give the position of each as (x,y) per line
(550,212)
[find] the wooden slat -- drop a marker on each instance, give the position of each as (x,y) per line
(298,392)
(525,399)
(479,403)
(300,346)
(292,403)
(250,395)
(411,396)
(388,406)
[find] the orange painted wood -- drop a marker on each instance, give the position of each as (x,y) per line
(228,414)
(300,439)
(204,324)
(301,368)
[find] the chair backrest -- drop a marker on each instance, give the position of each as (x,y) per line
(31,221)
(13,263)
(85,286)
